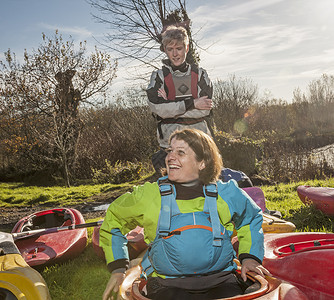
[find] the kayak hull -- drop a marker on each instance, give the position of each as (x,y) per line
(55,247)
(270,288)
(17,279)
(135,237)
(321,197)
(304,259)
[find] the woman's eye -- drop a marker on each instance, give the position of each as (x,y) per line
(168,151)
(180,152)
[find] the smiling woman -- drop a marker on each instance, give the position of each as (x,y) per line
(188,217)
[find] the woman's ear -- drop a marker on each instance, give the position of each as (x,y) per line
(202,165)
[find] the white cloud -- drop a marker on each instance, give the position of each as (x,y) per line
(277,43)
(213,15)
(76,31)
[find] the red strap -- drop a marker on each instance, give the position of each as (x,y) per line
(170,85)
(194,80)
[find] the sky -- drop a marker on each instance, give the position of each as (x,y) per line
(280,45)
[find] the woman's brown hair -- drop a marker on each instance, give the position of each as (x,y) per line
(205,149)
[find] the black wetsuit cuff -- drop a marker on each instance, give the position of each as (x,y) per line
(118,264)
(243,256)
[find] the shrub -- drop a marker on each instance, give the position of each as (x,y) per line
(117,173)
(239,153)
(286,161)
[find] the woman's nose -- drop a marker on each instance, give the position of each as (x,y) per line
(171,155)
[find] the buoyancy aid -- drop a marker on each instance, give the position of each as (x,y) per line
(170,86)
(188,244)
(177,89)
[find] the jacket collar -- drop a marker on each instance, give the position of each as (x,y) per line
(182,68)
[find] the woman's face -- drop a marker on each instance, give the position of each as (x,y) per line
(176,52)
(181,162)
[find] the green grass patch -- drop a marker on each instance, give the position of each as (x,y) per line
(17,194)
(82,278)
(284,198)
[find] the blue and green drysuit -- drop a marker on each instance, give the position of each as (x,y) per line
(142,208)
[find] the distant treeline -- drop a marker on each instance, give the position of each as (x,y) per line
(266,138)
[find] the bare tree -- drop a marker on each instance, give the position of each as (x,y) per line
(316,105)
(136,27)
(233,97)
(44,93)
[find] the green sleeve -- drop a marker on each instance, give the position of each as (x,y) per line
(124,214)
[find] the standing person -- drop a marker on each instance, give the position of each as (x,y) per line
(179,94)
(188,219)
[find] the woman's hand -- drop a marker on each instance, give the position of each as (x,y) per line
(250,264)
(203,103)
(162,93)
(111,291)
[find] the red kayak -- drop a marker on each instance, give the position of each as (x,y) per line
(49,248)
(321,197)
(268,288)
(136,243)
(305,259)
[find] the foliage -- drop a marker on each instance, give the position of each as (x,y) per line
(234,99)
(239,153)
(285,161)
(273,139)
(117,173)
(40,100)
(124,131)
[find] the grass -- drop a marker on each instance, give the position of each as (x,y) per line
(18,194)
(86,276)
(83,278)
(284,198)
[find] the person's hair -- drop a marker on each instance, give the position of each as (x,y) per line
(177,33)
(205,149)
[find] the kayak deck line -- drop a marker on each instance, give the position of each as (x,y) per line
(24,234)
(298,247)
